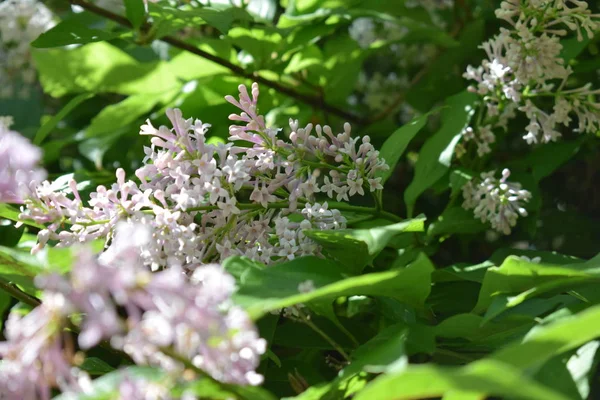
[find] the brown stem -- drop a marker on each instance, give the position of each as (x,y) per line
(236,69)
(18,294)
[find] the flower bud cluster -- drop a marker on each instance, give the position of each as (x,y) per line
(252,196)
(165,319)
(21,22)
(524,69)
(19,161)
(496,200)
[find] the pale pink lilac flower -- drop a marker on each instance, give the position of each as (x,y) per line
(19,160)
(34,358)
(205,202)
(192,316)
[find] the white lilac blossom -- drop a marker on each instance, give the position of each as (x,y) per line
(496,200)
(253,196)
(36,355)
(362,30)
(19,161)
(191,316)
(21,22)
(524,69)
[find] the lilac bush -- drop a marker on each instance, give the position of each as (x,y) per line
(272,249)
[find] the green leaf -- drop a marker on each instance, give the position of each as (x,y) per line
(487,377)
(382,354)
(9,234)
(310,56)
(545,342)
(264,290)
(18,267)
(168,19)
(471,327)
(100,67)
(456,220)
(461,395)
(572,47)
(5,301)
(9,212)
(343,61)
(581,366)
(188,66)
(260,43)
(355,248)
(544,160)
(72,31)
(45,129)
(95,366)
(516,276)
(436,154)
(106,387)
(570,374)
(135,12)
(394,146)
(458,178)
(206,388)
(120,114)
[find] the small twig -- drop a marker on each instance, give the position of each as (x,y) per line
(236,69)
(18,294)
(306,319)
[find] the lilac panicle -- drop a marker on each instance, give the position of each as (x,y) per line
(205,202)
(524,65)
(192,316)
(19,161)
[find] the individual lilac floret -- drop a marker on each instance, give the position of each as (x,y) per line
(192,317)
(19,161)
(34,358)
(498,201)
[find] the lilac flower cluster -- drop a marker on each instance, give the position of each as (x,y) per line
(36,355)
(496,200)
(21,22)
(253,196)
(166,319)
(19,161)
(525,67)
